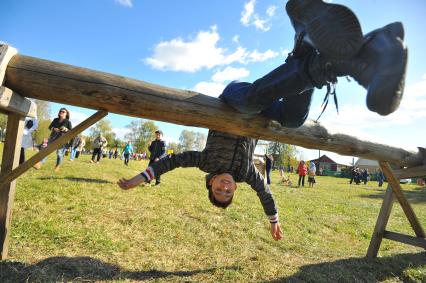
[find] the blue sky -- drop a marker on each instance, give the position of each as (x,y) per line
(202,45)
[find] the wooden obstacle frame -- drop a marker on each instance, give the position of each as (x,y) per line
(23,77)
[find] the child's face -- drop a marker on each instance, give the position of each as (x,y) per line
(158,136)
(223,187)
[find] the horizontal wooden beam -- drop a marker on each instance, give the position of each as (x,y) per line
(61,83)
(413,172)
(406,239)
(11,102)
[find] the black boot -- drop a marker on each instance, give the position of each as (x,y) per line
(379,67)
(331,28)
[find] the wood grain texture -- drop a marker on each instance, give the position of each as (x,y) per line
(61,83)
(10,160)
(11,102)
(406,207)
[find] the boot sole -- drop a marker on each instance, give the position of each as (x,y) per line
(333,29)
(386,92)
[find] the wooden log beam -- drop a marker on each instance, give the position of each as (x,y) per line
(413,172)
(61,83)
(11,102)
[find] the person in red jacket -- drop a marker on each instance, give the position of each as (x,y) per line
(302,170)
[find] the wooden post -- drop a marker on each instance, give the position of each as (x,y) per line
(394,190)
(382,221)
(9,176)
(11,153)
(406,207)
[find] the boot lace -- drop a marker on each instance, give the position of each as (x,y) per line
(331,83)
(331,90)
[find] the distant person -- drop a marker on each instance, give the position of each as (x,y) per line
(311,174)
(281,168)
(110,153)
(157,149)
(352,174)
(30,125)
(81,146)
(75,144)
(59,127)
(98,145)
(115,154)
(365,176)
(302,170)
(380,177)
(268,164)
(127,152)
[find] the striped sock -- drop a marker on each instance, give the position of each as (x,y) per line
(273,218)
(148,174)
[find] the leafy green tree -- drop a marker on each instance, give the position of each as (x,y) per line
(102,127)
(175,147)
(187,140)
(284,154)
(200,141)
(142,132)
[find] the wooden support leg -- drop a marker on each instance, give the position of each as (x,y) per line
(381,223)
(406,207)
(394,190)
(11,152)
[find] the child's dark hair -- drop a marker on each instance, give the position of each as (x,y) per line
(214,201)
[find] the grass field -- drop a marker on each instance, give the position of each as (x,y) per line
(77,225)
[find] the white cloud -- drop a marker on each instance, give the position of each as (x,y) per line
(271,11)
(236,38)
(247,12)
(256,56)
(201,52)
(210,88)
(261,24)
(230,74)
(250,18)
(285,52)
(191,56)
(125,3)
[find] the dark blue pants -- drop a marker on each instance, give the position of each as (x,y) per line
(283,95)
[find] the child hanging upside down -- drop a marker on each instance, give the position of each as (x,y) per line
(328,44)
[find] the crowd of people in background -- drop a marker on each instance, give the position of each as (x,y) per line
(359,175)
(157,150)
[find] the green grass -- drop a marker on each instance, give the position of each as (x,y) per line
(77,225)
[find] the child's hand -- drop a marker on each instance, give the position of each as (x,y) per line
(276,232)
(131,183)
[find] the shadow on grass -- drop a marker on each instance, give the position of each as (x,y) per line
(417,195)
(76,179)
(82,269)
(362,270)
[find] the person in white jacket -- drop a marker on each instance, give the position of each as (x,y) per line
(30,125)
